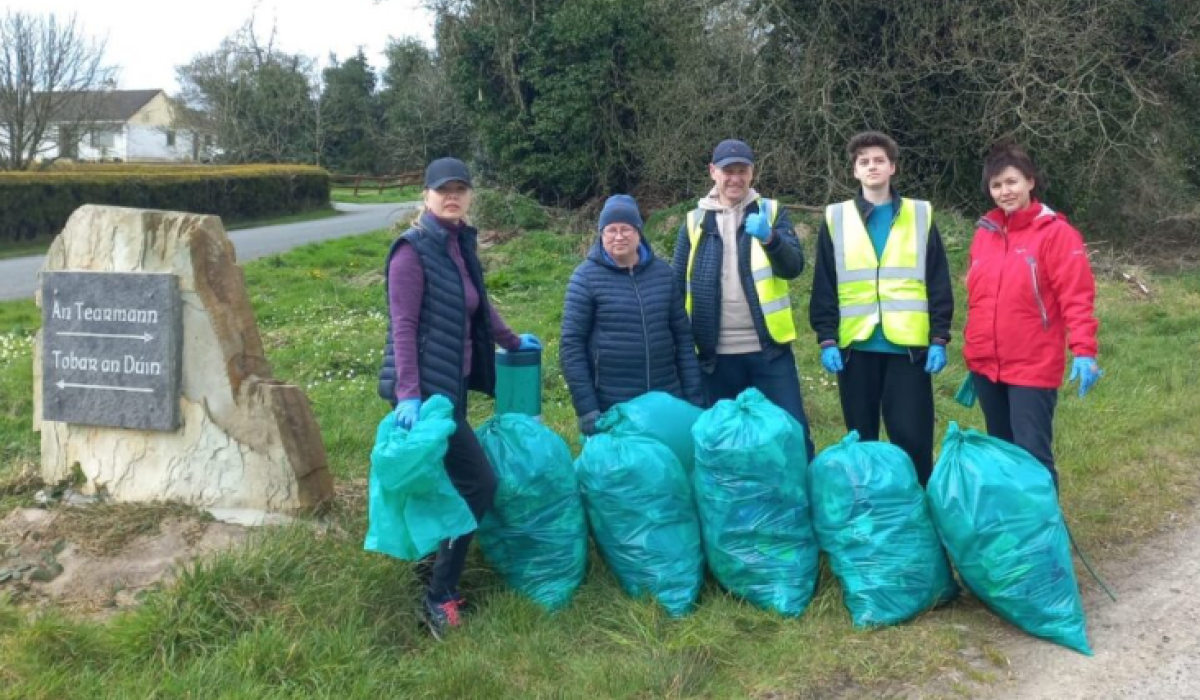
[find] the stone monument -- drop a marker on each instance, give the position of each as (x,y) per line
(149,372)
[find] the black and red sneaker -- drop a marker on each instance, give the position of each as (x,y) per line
(464,607)
(441,617)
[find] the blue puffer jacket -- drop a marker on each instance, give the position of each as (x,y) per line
(787,262)
(624,333)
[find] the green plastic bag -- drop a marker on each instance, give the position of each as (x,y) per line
(872,520)
(996,510)
(535,534)
(753,503)
(965,395)
(639,504)
(413,506)
(656,415)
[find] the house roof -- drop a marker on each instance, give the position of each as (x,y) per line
(107,106)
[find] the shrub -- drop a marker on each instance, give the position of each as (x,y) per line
(39,203)
(507,211)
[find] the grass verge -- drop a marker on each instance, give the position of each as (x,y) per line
(311,215)
(367,195)
(37,246)
(304,615)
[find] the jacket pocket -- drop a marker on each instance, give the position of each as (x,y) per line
(1031,262)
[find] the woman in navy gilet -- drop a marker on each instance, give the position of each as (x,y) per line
(441,340)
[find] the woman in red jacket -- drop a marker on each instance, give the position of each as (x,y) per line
(1030,291)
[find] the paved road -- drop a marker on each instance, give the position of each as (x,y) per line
(18,276)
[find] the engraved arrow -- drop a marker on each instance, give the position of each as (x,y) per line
(145,337)
(68,385)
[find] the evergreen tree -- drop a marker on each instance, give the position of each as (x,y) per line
(350,116)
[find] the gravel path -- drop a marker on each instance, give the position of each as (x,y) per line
(1147,644)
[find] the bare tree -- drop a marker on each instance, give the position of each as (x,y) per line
(421,117)
(51,73)
(261,101)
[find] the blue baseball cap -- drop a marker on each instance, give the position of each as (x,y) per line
(732,151)
(445,170)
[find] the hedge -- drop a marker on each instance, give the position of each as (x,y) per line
(33,204)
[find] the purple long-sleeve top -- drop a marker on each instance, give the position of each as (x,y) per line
(406,287)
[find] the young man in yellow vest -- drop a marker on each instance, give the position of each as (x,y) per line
(733,258)
(882,304)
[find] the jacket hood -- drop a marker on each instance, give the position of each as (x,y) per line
(713,203)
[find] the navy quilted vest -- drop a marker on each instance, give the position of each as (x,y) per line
(443,312)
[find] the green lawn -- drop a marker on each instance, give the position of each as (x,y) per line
(369,195)
(308,615)
(37,246)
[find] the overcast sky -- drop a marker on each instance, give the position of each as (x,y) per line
(147,40)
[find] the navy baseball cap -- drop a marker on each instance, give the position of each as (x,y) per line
(732,151)
(445,170)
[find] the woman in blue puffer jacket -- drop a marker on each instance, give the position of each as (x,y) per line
(624,329)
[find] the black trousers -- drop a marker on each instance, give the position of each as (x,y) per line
(897,387)
(472,475)
(777,379)
(1021,415)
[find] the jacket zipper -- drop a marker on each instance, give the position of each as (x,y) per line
(462,295)
(879,264)
(645,333)
(996,316)
(596,366)
(1037,291)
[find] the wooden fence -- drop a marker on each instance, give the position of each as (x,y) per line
(376,183)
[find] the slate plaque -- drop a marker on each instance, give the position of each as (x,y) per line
(111,349)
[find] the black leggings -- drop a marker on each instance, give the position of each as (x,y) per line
(1021,415)
(472,475)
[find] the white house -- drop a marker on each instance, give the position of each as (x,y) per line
(136,126)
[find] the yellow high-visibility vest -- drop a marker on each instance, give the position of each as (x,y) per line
(772,291)
(890,290)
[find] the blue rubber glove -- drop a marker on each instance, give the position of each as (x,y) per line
(936,360)
(1087,372)
(407,413)
(831,359)
(758,226)
(529,341)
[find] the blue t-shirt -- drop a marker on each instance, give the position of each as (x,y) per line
(879,226)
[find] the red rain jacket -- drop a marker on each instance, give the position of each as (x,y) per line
(1030,291)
